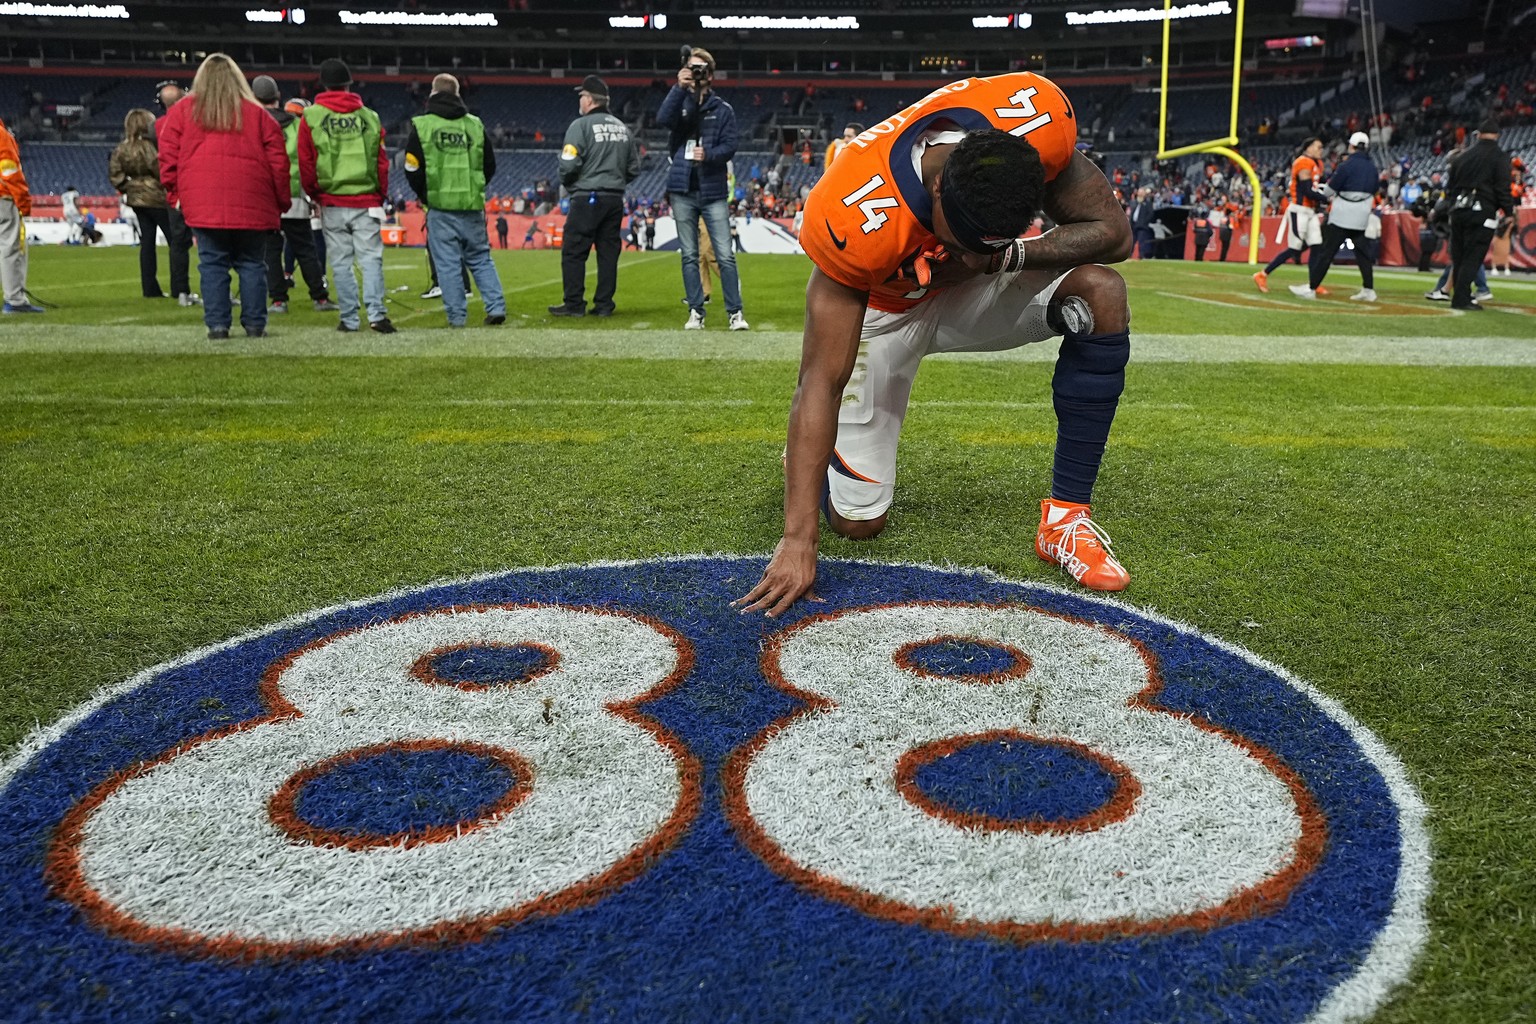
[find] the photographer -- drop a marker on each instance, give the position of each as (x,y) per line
(703,140)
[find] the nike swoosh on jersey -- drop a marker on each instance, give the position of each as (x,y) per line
(841,243)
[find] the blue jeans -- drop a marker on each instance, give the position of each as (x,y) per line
(220,250)
(1480,282)
(686,210)
(351,236)
(457,237)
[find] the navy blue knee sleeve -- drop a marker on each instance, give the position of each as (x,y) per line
(1090,375)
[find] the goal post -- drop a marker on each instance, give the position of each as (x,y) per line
(1220,146)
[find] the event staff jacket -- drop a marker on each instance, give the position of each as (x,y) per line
(442,168)
(599,154)
(1352,189)
(713,125)
(289,123)
(1479,180)
(13,183)
(342,161)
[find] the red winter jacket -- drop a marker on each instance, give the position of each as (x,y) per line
(236,179)
(342,102)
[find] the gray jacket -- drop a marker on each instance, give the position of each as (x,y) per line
(599,154)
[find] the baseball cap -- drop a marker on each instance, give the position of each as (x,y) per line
(594,85)
(264,88)
(1359,139)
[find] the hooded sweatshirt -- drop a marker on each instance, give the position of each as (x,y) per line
(342,102)
(449,107)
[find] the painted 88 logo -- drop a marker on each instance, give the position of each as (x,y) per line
(599,791)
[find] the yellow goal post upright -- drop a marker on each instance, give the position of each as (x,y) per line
(1222,146)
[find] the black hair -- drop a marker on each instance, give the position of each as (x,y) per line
(996,182)
(1307,142)
(858,129)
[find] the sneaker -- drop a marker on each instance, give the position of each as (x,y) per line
(1364,295)
(1474,305)
(1483,296)
(1438,295)
(695,320)
(1262,280)
(255,332)
(495,319)
(1068,538)
(1321,290)
(189,299)
(344,329)
(382,326)
(325,306)
(25,307)
(1301,291)
(434,292)
(218,334)
(564,310)
(278,307)
(739,322)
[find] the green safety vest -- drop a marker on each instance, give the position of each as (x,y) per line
(291,140)
(346,149)
(455,156)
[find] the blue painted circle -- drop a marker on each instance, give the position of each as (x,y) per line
(490,665)
(707,931)
(1016,780)
(403,790)
(962,657)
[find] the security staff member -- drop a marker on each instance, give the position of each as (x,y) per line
(1478,187)
(599,158)
(447,163)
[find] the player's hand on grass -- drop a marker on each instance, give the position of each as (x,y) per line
(788,577)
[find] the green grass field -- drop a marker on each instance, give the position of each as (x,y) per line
(1345,490)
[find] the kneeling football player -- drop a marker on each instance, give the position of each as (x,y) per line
(914,235)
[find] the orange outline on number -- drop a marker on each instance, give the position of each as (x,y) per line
(63,875)
(1252,902)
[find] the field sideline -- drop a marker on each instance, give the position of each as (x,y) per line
(1344,490)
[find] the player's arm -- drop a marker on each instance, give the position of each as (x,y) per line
(834,316)
(1090,226)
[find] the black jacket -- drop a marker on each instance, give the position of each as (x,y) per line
(448,106)
(1483,171)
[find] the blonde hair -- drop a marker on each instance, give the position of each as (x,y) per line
(218,93)
(137,124)
(445,83)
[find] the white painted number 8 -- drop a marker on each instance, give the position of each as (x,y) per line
(1204,828)
(182,851)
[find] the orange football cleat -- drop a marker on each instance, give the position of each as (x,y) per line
(1262,280)
(1071,540)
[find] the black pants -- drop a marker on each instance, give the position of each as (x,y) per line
(1202,239)
(1469,244)
(152,221)
(1226,242)
(1322,255)
(180,239)
(296,232)
(592,223)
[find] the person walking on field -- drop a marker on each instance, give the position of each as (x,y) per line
(295,233)
(15,204)
(223,164)
(598,160)
(1352,191)
(134,170)
(345,169)
(1478,187)
(447,163)
(1301,224)
(502,228)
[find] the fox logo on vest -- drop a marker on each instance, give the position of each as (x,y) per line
(446,139)
(342,124)
(598,791)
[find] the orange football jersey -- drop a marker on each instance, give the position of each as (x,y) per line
(869,213)
(1315,168)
